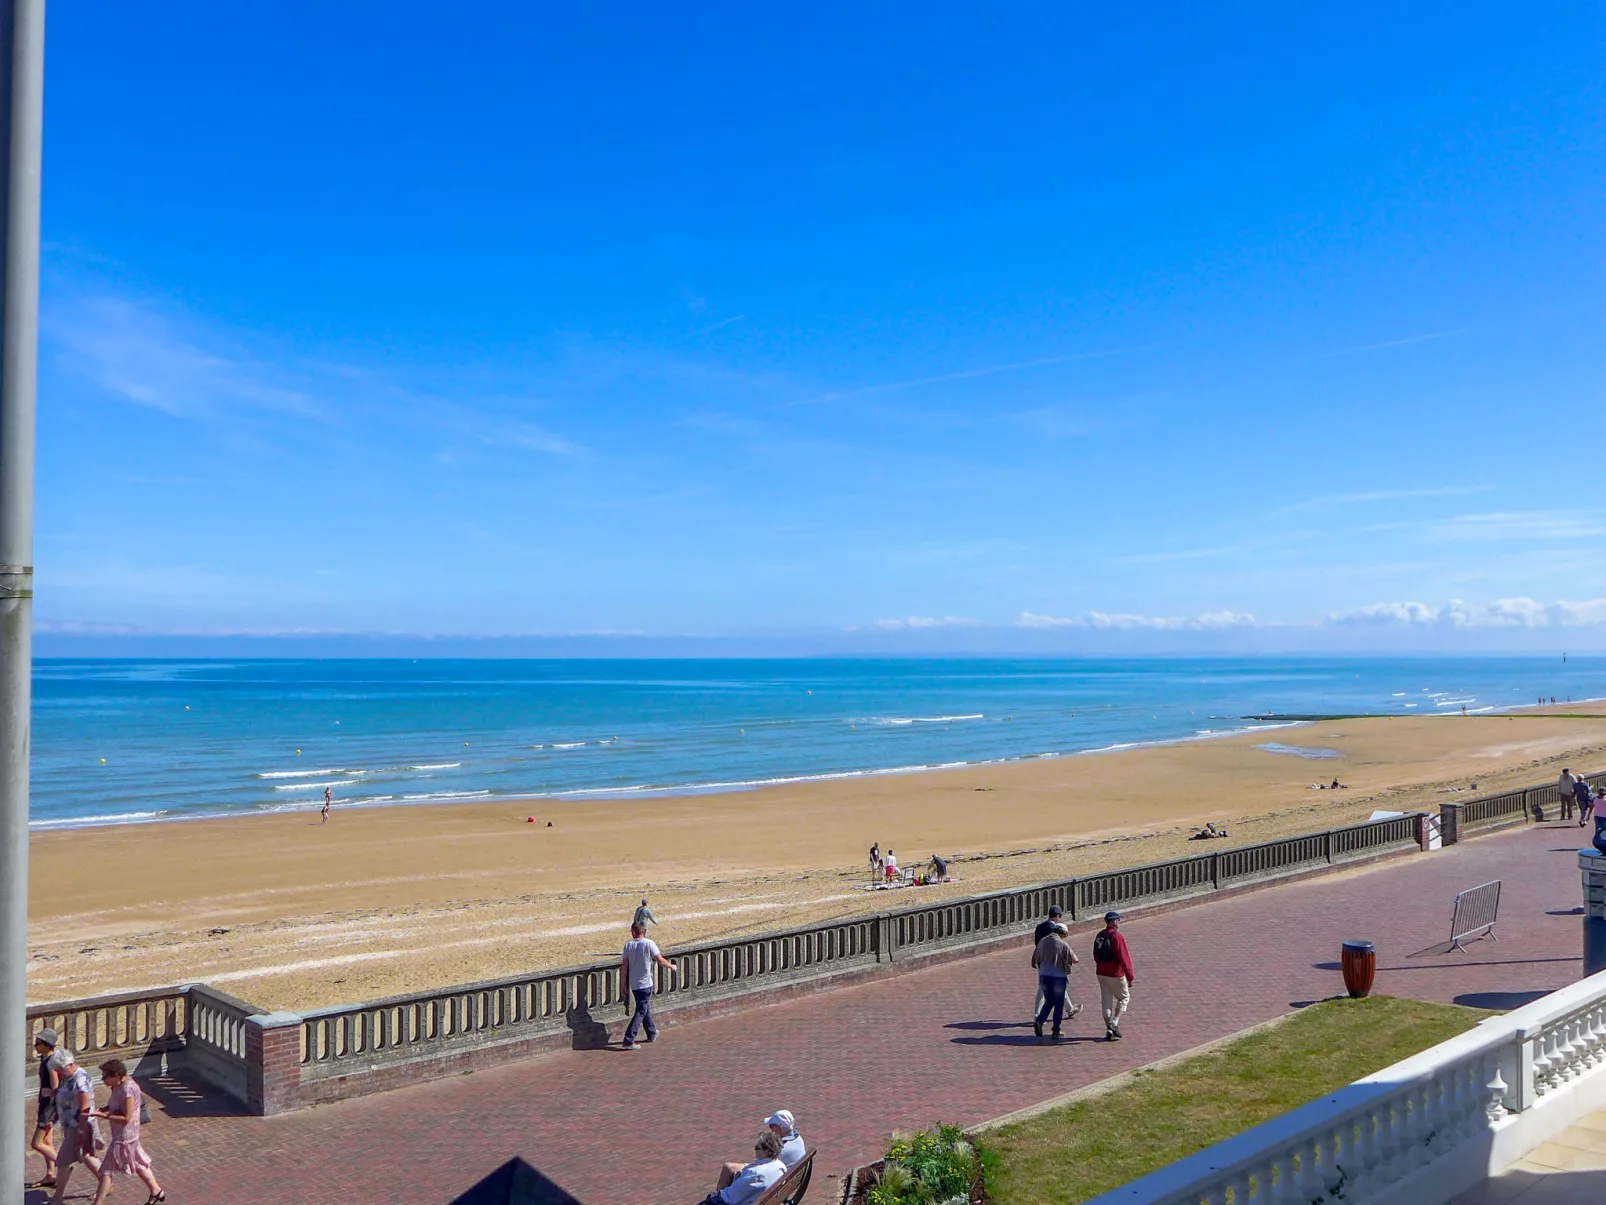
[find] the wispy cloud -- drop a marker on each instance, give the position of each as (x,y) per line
(720,325)
(138,354)
(1395,495)
(1405,342)
(1506,525)
(537,440)
(944,378)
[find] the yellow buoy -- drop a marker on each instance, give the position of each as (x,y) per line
(103,761)
(298,752)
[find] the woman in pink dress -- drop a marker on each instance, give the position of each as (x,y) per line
(124,1155)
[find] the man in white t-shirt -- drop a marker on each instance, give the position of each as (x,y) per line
(753,1180)
(636,977)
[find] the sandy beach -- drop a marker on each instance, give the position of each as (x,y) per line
(287,912)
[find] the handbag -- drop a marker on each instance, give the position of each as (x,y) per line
(144,1112)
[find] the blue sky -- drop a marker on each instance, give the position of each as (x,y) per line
(886,324)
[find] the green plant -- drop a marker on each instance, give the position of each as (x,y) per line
(925,1168)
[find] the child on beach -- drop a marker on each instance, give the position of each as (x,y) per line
(124,1154)
(328,798)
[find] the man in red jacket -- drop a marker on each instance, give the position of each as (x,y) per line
(1112,962)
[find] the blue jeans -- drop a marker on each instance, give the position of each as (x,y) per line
(642,1016)
(1053,998)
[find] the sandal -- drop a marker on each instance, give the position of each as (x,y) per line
(156,1198)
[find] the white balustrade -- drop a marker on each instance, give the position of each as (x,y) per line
(1416,1133)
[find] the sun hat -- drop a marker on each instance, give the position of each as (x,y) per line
(48,1036)
(783,1118)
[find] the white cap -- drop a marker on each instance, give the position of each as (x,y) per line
(782,1118)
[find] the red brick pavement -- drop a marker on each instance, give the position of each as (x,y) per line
(951,1043)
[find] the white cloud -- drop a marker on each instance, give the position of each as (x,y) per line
(1100,620)
(1456,614)
(927,621)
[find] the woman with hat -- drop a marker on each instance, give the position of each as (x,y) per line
(44,1045)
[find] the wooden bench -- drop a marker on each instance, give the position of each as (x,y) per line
(789,1189)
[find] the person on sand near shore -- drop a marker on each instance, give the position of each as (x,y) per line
(875,862)
(75,1112)
(44,1045)
(643,917)
(124,1154)
(891,865)
(1053,959)
(635,975)
(937,869)
(754,1179)
(1566,788)
(1112,963)
(328,798)
(781,1124)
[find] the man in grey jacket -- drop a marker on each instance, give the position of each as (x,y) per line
(1053,959)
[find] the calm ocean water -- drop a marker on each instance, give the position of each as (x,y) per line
(153,740)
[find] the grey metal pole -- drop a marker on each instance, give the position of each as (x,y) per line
(22,98)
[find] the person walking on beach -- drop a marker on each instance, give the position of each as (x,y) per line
(1112,963)
(635,976)
(75,1113)
(124,1154)
(44,1045)
(875,862)
(328,798)
(1566,788)
(643,917)
(1053,959)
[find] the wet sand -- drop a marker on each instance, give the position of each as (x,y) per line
(286,912)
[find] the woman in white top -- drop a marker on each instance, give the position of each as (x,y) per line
(75,1104)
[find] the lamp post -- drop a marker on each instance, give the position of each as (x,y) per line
(22,95)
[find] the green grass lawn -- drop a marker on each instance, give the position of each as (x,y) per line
(1092,1146)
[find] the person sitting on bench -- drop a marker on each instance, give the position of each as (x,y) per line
(753,1180)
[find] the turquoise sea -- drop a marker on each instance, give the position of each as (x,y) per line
(120,741)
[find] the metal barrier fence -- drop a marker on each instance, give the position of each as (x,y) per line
(1474,914)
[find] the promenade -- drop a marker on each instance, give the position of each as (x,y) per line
(951,1043)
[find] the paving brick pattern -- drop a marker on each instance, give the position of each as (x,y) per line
(949,1043)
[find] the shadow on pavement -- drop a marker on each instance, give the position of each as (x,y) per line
(1578,911)
(1492,962)
(517,1183)
(178,1098)
(589,1033)
(1020,1039)
(988,1025)
(1497,1001)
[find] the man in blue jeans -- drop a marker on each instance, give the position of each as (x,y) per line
(635,974)
(1053,959)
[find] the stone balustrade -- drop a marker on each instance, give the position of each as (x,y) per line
(189,1029)
(1417,1133)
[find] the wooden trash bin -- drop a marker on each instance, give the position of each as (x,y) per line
(1360,967)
